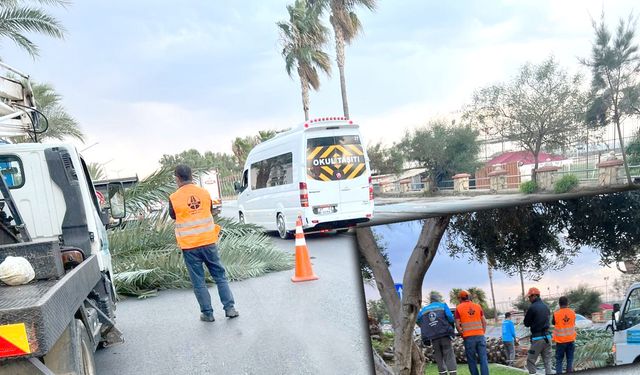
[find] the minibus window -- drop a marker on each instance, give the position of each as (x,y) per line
(274,171)
(335,158)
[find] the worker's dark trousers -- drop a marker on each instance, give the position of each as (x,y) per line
(443,353)
(207,256)
(563,349)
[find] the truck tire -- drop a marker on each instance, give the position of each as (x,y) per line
(73,352)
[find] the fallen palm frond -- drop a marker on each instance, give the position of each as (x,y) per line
(146,258)
(593,349)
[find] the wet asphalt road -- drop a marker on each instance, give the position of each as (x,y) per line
(316,327)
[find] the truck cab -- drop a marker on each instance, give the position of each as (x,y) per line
(626,337)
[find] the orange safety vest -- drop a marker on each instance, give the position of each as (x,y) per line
(194,223)
(565,325)
(470,319)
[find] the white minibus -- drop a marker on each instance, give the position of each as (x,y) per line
(318,170)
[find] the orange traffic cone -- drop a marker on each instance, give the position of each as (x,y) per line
(304,272)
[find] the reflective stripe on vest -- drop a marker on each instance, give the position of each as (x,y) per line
(470,319)
(194,224)
(565,325)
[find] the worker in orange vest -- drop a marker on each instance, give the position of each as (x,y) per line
(197,234)
(564,334)
(471,323)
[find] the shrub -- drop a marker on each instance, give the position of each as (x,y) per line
(566,183)
(528,187)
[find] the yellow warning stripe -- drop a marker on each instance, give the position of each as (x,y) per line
(329,151)
(347,168)
(327,169)
(355,171)
(314,153)
(344,150)
(356,149)
(16,334)
(324,178)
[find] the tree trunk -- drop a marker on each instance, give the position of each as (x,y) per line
(493,296)
(305,94)
(408,358)
(624,154)
(340,62)
(522,285)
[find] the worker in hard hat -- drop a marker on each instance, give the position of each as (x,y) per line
(471,324)
(537,319)
(436,328)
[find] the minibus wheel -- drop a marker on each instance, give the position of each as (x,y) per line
(282,227)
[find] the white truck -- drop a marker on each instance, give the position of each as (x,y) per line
(50,215)
(209,180)
(626,336)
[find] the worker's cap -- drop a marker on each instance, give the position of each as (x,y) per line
(463,294)
(533,291)
(434,296)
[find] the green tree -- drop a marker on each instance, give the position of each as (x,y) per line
(633,150)
(409,358)
(520,239)
(615,69)
(303,38)
(584,300)
(608,223)
(241,146)
(18,18)
(541,108)
(61,124)
(385,160)
(376,309)
(443,150)
(346,26)
(225,163)
(476,295)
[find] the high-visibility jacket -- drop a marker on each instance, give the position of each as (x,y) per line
(470,315)
(194,223)
(564,325)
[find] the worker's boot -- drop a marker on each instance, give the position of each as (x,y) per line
(207,318)
(231,312)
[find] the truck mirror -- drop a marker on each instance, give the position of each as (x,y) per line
(616,308)
(116,200)
(237,187)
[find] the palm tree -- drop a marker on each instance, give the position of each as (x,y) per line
(61,123)
(16,19)
(346,27)
(303,37)
(96,171)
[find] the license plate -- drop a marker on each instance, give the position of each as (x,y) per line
(325,210)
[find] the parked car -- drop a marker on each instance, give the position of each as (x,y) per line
(582,322)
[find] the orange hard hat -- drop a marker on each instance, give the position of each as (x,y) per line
(533,291)
(463,294)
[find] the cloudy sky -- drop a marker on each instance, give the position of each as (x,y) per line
(446,273)
(148,77)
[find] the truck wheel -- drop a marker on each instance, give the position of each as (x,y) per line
(88,365)
(73,352)
(282,227)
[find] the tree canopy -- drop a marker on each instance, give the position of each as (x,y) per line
(542,107)
(443,149)
(385,160)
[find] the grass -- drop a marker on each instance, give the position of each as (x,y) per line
(463,369)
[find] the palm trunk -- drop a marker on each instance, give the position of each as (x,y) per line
(305,94)
(340,61)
